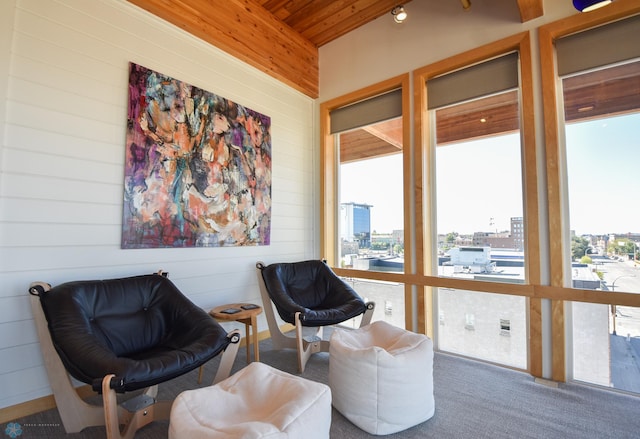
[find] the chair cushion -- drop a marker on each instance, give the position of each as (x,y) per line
(381,377)
(314,290)
(142,329)
(256,402)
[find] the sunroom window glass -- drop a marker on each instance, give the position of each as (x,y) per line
(369,146)
(602,116)
(388,297)
(478,174)
(599,76)
(490,327)
(479,210)
(370,181)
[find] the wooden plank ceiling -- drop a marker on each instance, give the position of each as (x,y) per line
(281,37)
(321,21)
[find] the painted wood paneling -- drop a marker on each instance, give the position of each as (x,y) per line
(63,164)
(20,357)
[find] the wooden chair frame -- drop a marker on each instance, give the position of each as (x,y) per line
(77,414)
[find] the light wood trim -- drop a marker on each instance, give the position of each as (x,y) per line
(422,197)
(38,405)
(328,188)
(364,93)
(558,346)
(529,156)
(547,35)
(469,57)
(274,48)
(530,9)
(526,290)
(531,202)
(557,265)
(409,213)
(535,336)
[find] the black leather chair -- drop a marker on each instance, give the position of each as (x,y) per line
(307,294)
(121,335)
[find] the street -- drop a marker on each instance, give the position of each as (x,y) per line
(623,277)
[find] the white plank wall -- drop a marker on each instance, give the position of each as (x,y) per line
(64,76)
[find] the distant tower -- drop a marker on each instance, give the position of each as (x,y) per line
(517,232)
(355,223)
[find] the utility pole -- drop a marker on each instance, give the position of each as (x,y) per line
(613,306)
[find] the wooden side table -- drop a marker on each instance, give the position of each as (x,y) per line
(235,312)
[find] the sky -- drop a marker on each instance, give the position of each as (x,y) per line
(466,182)
(377,182)
(479,182)
(604,175)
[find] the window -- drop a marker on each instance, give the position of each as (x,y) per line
(490,327)
(601,99)
(364,141)
(371,202)
(591,167)
(478,208)
(479,194)
(370,145)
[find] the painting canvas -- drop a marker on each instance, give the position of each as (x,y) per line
(197,170)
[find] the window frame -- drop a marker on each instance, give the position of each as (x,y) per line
(329,191)
(559,289)
(426,233)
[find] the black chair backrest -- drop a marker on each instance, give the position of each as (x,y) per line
(141,328)
(314,290)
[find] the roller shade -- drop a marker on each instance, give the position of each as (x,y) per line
(600,46)
(367,112)
(487,78)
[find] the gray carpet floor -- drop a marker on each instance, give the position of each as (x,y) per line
(473,400)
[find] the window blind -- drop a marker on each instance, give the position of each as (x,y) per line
(367,112)
(486,78)
(608,44)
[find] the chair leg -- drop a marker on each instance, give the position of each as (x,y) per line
(307,348)
(228,357)
(149,410)
(226,360)
(110,406)
(303,353)
(368,314)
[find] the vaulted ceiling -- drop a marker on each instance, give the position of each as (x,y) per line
(281,37)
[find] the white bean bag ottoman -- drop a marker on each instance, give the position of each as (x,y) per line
(255,402)
(381,377)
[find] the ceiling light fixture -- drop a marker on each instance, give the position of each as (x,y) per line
(589,5)
(399,14)
(466,4)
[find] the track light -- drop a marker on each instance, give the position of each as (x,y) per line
(399,14)
(589,5)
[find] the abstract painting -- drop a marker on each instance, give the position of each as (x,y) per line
(197,167)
